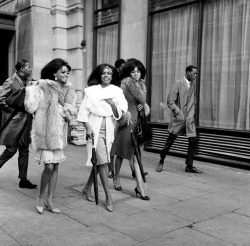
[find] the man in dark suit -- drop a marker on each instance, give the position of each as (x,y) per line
(182,101)
(16,136)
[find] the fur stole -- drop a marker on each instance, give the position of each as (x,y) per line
(138,91)
(96,103)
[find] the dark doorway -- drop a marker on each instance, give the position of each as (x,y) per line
(6,37)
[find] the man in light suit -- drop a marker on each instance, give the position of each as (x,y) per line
(182,101)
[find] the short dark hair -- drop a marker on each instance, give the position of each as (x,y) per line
(130,65)
(119,62)
(190,68)
(95,76)
(20,64)
(52,67)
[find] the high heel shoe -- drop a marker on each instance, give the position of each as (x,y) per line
(39,205)
(137,192)
(110,208)
(51,208)
(89,198)
(111,174)
(119,188)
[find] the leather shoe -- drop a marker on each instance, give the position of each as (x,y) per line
(24,183)
(192,170)
(159,167)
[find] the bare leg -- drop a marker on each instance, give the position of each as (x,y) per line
(138,177)
(104,178)
(52,185)
(45,178)
(87,187)
(118,163)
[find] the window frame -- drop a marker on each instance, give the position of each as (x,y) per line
(96,27)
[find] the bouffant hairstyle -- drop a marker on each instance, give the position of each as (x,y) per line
(130,65)
(52,67)
(95,76)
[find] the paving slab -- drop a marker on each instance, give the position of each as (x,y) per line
(197,209)
(89,236)
(181,192)
(99,214)
(184,237)
(43,227)
(244,211)
(6,240)
(230,227)
(147,224)
(184,209)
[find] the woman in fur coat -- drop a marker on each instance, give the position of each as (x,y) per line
(52,100)
(135,92)
(103,104)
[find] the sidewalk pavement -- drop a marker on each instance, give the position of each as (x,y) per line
(212,208)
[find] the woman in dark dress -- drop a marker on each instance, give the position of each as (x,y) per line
(135,92)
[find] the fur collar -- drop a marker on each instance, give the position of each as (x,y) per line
(96,103)
(138,91)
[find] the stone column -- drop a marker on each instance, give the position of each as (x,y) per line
(134,29)
(34,33)
(67,36)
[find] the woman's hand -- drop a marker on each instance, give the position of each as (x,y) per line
(139,107)
(89,134)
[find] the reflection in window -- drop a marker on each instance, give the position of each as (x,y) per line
(107,44)
(175,37)
(225,67)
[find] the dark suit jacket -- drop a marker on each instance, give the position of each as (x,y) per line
(18,130)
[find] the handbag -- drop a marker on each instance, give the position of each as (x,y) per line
(16,100)
(144,132)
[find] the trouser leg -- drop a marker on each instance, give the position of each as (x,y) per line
(23,161)
(167,146)
(191,150)
(8,153)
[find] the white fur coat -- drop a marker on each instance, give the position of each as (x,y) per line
(93,108)
(49,126)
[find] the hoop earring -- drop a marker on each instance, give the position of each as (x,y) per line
(55,78)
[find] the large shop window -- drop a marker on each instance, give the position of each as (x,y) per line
(225,66)
(174,47)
